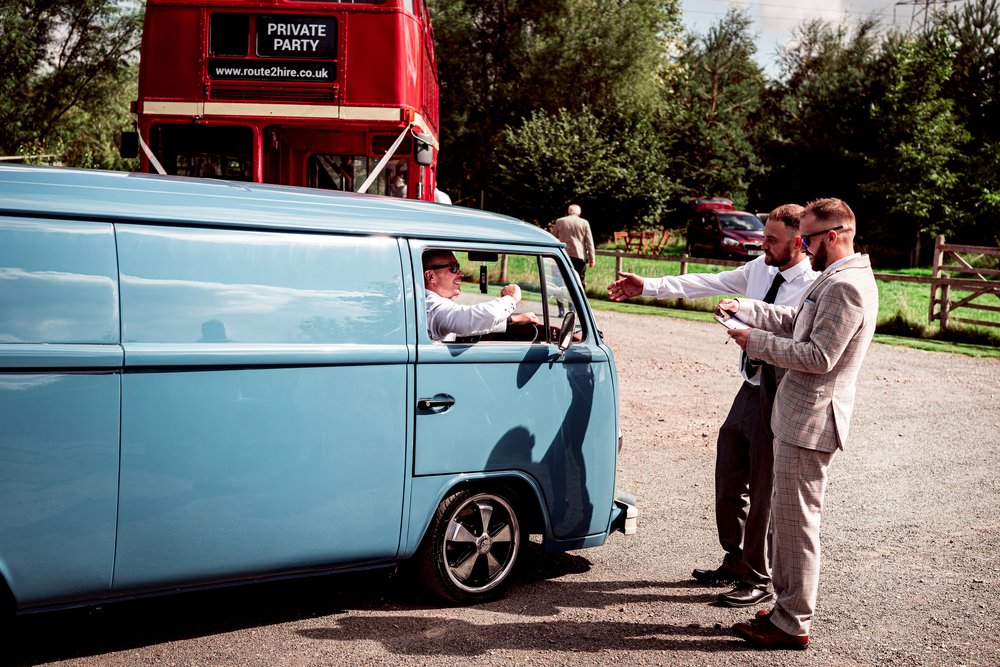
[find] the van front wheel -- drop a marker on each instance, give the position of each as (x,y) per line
(471,548)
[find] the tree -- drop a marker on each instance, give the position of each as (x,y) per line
(813,131)
(911,192)
(614,172)
(719,89)
(974,31)
(64,63)
(501,60)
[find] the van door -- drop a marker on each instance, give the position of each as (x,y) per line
(60,382)
(264,403)
(511,401)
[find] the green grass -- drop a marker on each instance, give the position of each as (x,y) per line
(903,307)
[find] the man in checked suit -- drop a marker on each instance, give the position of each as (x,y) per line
(822,344)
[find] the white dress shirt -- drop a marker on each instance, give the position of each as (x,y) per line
(447,319)
(751,280)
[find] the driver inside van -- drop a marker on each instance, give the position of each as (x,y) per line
(447,319)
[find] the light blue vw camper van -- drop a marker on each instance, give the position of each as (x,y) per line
(205,382)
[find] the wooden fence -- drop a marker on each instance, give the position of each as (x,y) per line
(941,280)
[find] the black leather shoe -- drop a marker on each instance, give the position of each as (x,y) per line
(721,576)
(745,595)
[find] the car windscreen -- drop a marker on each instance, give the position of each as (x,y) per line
(741,222)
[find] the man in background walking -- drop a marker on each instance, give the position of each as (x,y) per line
(575,232)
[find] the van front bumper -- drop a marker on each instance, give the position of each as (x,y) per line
(625,515)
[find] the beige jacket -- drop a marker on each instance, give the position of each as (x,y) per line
(575,232)
(822,343)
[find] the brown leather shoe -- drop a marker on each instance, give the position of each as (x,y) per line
(762,633)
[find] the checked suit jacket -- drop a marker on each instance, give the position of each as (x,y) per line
(822,344)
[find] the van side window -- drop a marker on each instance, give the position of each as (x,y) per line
(465,292)
(58,282)
(215,286)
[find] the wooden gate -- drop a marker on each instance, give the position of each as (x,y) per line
(942,281)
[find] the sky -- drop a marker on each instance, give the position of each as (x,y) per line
(774,20)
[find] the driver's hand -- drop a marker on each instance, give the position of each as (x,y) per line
(524,318)
(513,291)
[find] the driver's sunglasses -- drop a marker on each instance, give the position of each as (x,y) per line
(804,238)
(454,267)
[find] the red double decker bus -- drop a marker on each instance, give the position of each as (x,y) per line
(294,92)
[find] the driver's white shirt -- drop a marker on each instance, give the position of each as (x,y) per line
(447,319)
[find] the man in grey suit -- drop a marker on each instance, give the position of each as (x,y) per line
(822,344)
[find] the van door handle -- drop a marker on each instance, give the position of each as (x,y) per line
(439,403)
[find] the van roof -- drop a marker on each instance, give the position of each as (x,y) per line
(173,200)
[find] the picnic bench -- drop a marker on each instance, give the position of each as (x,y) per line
(646,242)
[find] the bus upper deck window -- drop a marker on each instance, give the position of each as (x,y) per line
(229,35)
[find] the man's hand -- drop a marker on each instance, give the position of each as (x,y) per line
(740,336)
(524,318)
(628,285)
(727,307)
(592,263)
(513,291)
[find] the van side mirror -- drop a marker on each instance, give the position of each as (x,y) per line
(128,145)
(425,150)
(567,330)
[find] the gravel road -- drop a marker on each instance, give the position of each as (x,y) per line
(911,572)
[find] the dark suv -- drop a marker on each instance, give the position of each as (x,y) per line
(715,229)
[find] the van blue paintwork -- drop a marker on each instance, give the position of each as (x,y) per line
(203,382)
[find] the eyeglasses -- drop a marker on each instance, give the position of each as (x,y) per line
(804,238)
(454,267)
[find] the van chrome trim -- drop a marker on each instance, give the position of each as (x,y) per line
(48,355)
(261,354)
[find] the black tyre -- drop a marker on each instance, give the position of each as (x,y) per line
(471,548)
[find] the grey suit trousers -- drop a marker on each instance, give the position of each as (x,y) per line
(744,466)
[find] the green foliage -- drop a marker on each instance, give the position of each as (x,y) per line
(607,165)
(68,77)
(912,176)
(813,132)
(973,30)
(501,60)
(719,88)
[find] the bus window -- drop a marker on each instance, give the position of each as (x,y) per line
(206,151)
(348,173)
(227,35)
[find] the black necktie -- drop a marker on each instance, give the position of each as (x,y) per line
(749,366)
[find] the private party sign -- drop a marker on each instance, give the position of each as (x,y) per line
(297,37)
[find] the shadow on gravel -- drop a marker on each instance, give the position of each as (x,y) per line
(62,635)
(119,626)
(421,636)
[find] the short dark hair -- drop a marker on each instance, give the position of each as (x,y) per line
(831,210)
(788,214)
(432,257)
